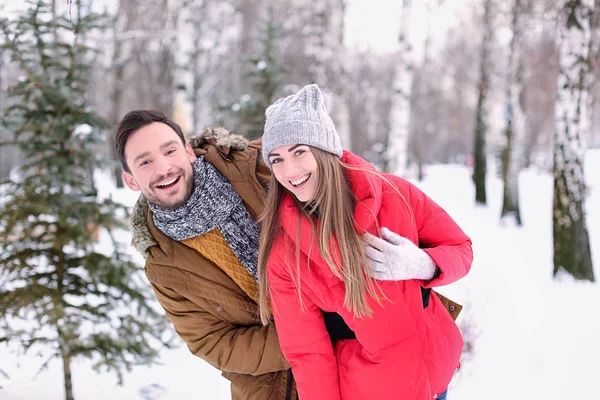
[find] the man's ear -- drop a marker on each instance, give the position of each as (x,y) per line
(130,182)
(190,152)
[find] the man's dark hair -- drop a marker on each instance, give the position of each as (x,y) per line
(135,120)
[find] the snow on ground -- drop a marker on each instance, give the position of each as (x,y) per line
(536,337)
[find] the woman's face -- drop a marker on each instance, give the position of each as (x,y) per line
(295,167)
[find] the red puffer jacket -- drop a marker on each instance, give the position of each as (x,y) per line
(404,351)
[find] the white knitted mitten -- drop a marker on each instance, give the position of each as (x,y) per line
(395,258)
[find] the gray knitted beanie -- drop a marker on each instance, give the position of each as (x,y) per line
(301,118)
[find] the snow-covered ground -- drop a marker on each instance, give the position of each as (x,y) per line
(535,337)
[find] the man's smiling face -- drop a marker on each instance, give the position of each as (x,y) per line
(160,165)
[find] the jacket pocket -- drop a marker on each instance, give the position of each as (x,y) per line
(249,387)
(272,386)
(451,306)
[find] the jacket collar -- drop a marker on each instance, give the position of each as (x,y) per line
(142,240)
(367,188)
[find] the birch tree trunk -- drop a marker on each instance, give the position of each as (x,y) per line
(397,142)
(571,243)
(481,121)
(594,140)
(421,99)
(512,156)
(196,60)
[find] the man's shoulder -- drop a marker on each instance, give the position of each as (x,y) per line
(230,145)
(236,158)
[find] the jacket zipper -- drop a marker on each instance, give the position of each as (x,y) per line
(288,389)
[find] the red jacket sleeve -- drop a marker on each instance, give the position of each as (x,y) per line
(441,237)
(303,337)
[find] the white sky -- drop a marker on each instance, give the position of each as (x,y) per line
(375,24)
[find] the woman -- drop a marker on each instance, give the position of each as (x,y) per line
(328,214)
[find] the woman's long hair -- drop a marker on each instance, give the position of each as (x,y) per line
(334,202)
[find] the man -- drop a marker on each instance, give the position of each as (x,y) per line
(196,225)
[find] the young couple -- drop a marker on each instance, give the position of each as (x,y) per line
(344,266)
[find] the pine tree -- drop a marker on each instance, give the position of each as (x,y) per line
(60,294)
(573,108)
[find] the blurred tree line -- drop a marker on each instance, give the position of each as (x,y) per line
(209,62)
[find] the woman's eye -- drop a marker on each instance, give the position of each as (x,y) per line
(275,160)
(300,152)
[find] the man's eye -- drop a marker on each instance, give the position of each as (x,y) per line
(170,151)
(145,162)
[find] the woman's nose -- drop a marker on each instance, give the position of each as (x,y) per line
(291,168)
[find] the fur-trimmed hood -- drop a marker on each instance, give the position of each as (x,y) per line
(218,136)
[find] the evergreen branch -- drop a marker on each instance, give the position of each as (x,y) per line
(44,366)
(21,298)
(28,344)
(25,343)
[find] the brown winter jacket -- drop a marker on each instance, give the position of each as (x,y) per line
(214,316)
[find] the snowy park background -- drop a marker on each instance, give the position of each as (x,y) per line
(536,337)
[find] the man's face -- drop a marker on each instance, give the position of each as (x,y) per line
(160,165)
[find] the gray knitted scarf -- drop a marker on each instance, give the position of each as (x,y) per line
(214,204)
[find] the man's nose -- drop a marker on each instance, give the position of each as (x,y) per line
(161,166)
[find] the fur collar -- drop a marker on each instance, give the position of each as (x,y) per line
(142,240)
(220,137)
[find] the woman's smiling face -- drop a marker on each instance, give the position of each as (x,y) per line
(295,167)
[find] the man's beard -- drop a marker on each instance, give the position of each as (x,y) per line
(189,188)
